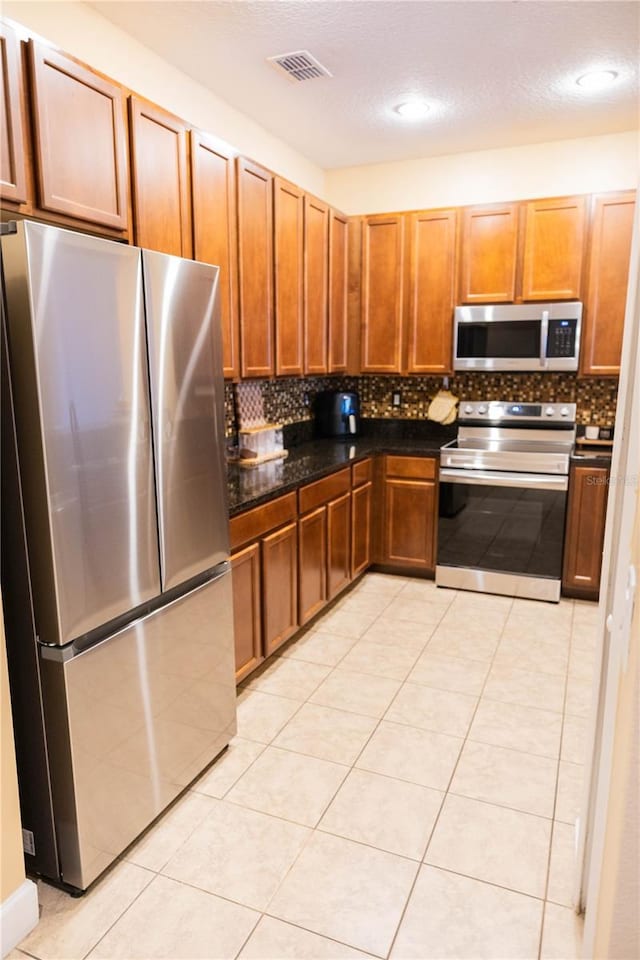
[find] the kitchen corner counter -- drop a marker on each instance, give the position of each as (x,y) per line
(591,456)
(250,487)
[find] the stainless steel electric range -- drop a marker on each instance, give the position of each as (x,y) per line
(503,497)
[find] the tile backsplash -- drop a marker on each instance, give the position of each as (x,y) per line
(595,398)
(287,400)
(291,400)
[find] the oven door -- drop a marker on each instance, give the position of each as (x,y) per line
(501,532)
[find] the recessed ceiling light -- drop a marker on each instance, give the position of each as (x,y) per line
(412,109)
(597,79)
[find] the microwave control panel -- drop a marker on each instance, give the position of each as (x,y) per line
(562,338)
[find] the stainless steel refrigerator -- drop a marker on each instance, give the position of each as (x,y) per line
(115,551)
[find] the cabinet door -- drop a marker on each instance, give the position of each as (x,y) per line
(312,563)
(255,268)
(554,243)
(603,319)
(584,537)
(489,254)
(316,269)
(361,529)
(339,544)
(80,147)
(288,236)
(13,180)
(279,586)
(409,523)
(160,180)
(213,183)
(382,294)
(247,614)
(433,277)
(338,291)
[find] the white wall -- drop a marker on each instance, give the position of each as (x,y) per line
(84,33)
(562,167)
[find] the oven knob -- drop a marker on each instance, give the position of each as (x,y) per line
(482,409)
(564,412)
(549,411)
(468,408)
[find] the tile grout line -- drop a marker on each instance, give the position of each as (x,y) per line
(125,911)
(555,797)
(312,830)
(444,798)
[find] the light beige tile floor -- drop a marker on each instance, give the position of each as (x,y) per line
(404,783)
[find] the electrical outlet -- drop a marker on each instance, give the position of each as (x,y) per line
(396,399)
(306,399)
(28,842)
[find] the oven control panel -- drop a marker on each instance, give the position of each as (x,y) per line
(504,412)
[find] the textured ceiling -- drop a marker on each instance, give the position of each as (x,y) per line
(496,73)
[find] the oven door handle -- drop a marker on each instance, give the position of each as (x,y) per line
(503,478)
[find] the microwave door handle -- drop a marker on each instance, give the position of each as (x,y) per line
(544,337)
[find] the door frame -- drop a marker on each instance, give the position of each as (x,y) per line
(614,624)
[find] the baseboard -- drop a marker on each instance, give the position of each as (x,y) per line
(18,916)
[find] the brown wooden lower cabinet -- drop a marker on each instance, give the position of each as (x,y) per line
(279,586)
(361,529)
(294,554)
(247,609)
(312,563)
(584,537)
(338,544)
(409,523)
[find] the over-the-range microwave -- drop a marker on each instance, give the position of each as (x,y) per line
(530,336)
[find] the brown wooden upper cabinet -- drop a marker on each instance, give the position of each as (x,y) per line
(489,254)
(316,268)
(432,290)
(382,293)
(255,268)
(288,238)
(213,184)
(603,319)
(160,180)
(13,178)
(80,144)
(338,291)
(554,244)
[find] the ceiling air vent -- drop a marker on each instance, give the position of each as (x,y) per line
(300,65)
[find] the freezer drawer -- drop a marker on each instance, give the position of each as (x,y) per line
(133,720)
(187,404)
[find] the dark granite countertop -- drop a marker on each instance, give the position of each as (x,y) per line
(595,456)
(314,458)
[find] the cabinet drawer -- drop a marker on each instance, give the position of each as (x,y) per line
(421,468)
(361,472)
(324,490)
(255,523)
